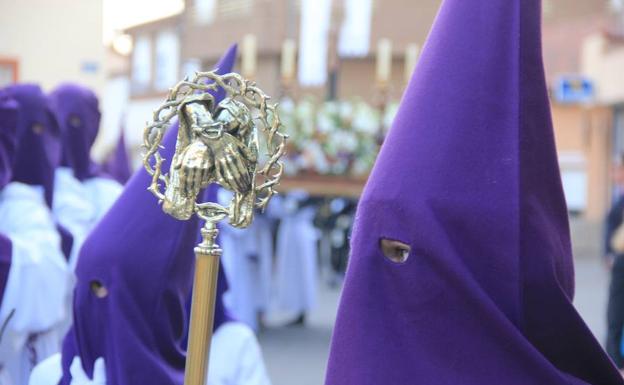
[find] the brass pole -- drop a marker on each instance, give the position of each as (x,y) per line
(207,256)
(206,145)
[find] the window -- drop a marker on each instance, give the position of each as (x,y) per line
(191,66)
(142,63)
(167,60)
(354,38)
(8,71)
(616,5)
(230,9)
(574,179)
(205,11)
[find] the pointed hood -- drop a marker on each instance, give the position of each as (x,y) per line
(118,164)
(8,137)
(225,66)
(134,275)
(468,178)
(77,111)
(38,145)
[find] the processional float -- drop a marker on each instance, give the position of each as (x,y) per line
(236,143)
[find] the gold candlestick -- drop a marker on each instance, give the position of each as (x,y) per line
(384,63)
(249,56)
(288,61)
(411,58)
(216,143)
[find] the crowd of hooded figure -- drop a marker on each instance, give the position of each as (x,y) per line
(460,270)
(299,242)
(95,280)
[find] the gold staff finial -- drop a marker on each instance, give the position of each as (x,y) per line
(236,143)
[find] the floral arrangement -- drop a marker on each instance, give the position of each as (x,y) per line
(333,137)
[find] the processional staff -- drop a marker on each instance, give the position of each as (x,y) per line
(237,144)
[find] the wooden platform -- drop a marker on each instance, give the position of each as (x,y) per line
(324,185)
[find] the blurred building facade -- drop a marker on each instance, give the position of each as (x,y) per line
(48,42)
(581,49)
(206,28)
(583,124)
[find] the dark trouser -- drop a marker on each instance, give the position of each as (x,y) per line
(615,312)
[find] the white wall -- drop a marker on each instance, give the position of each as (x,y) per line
(138,113)
(54,40)
(113,104)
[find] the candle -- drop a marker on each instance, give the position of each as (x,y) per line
(411,58)
(249,56)
(288,60)
(384,61)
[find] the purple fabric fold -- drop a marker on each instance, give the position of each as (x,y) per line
(6,254)
(67,240)
(468,177)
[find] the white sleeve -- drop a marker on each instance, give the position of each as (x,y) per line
(50,372)
(47,372)
(38,280)
(72,209)
(251,369)
(103,193)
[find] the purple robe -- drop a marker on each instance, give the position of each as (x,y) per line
(144,258)
(8,142)
(468,177)
(78,114)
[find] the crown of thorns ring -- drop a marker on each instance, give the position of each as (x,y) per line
(236,143)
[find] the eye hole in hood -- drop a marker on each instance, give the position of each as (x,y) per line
(38,128)
(395,251)
(75,121)
(98,288)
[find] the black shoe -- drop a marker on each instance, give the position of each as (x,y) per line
(299,321)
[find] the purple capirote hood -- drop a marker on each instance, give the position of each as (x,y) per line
(118,163)
(38,150)
(77,111)
(468,177)
(8,137)
(144,258)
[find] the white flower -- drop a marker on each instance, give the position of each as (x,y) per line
(345,110)
(345,141)
(391,110)
(328,117)
(366,119)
